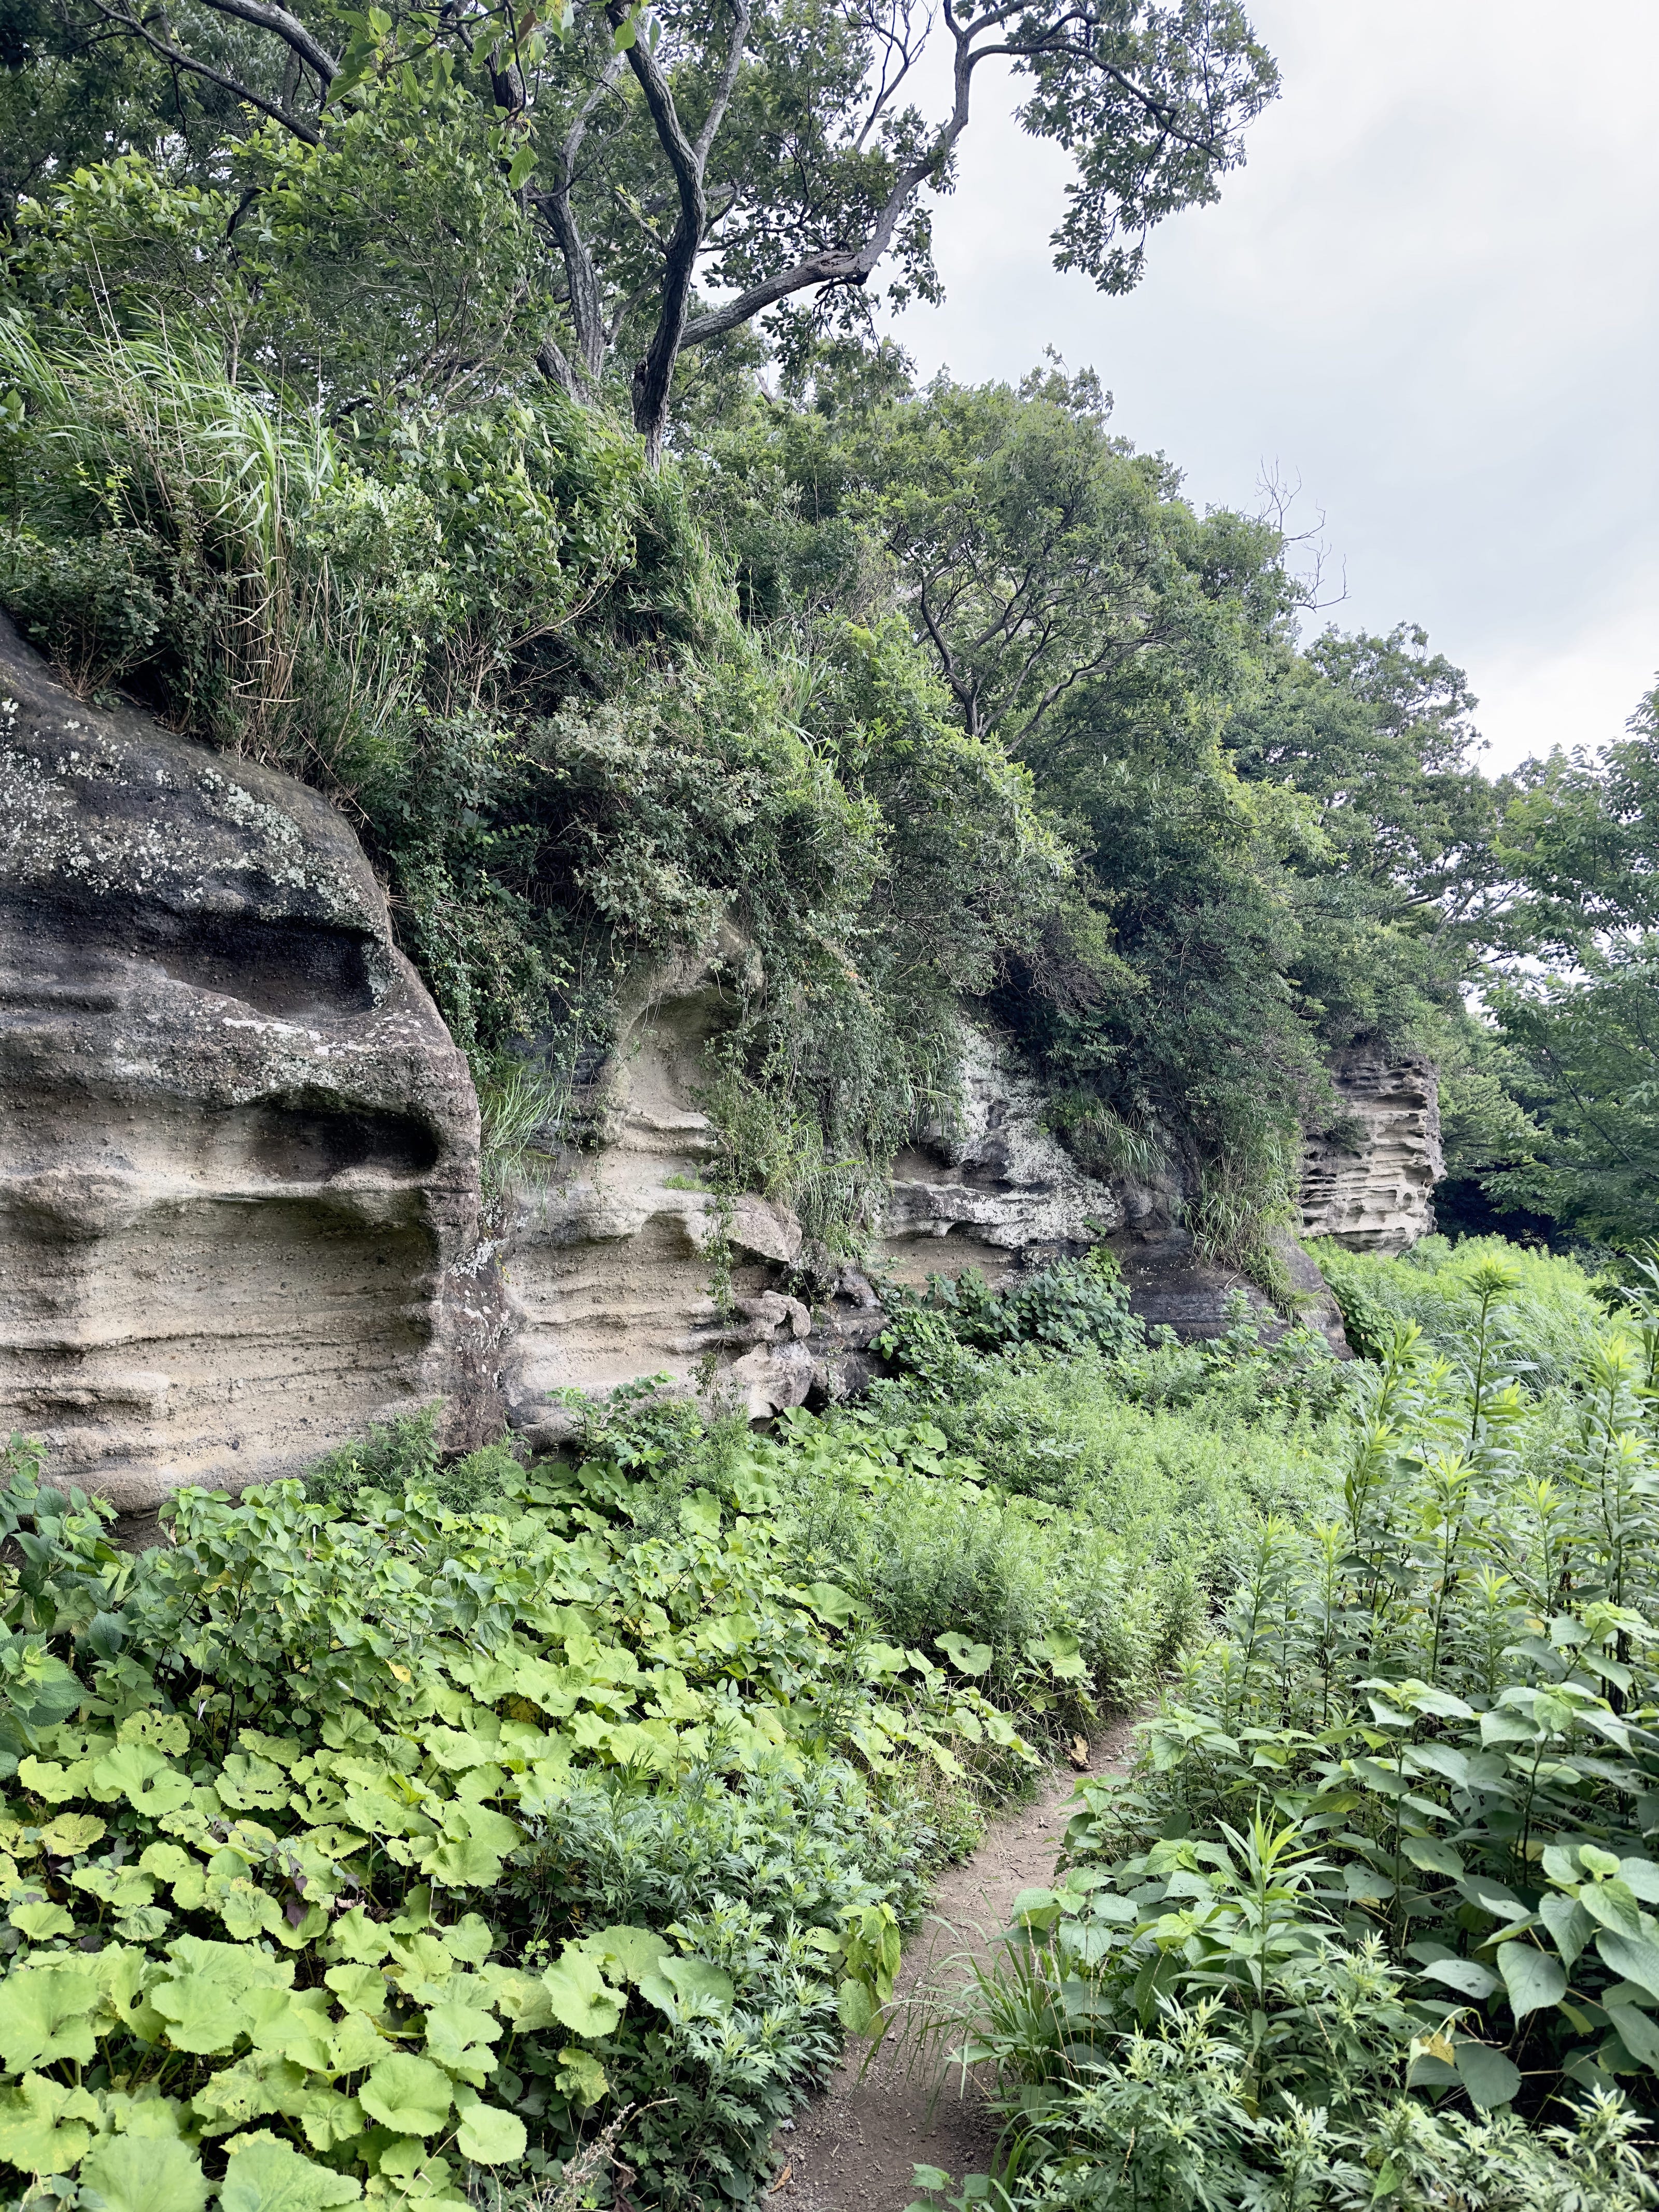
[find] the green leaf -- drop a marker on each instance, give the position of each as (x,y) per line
(489,2136)
(1533,1978)
(146,2173)
(360,1989)
(72,1832)
(459,2036)
(143,1776)
(1637,2033)
(267,2175)
(523,162)
(39,1921)
(700,1514)
(580,2076)
(831,1603)
(688,1988)
(409,2095)
(202,2013)
(1432,1856)
(1489,2077)
(630,1953)
(43,2125)
(970,1658)
(1633,1958)
(1467,1976)
(581,1998)
(44,2015)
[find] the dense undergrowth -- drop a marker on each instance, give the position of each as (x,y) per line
(422,1827)
(1372,1922)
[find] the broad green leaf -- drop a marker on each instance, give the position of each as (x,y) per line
(1614,1903)
(43,2125)
(1433,1857)
(163,1732)
(831,1603)
(267,2175)
(628,1953)
(970,1658)
(1489,2078)
(72,1832)
(360,1989)
(1531,1977)
(202,2013)
(1468,1976)
(147,2173)
(1641,1876)
(143,1776)
(46,2014)
(1633,1959)
(686,1987)
(1638,2034)
(580,2076)
(459,2036)
(490,2137)
(45,1777)
(581,1998)
(700,1514)
(1568,1922)
(41,1921)
(407,2094)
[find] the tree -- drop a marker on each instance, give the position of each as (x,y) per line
(695,166)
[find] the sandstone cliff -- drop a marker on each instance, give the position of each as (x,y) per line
(238,1150)
(1369,1182)
(239,1154)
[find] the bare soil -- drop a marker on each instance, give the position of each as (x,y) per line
(852,2149)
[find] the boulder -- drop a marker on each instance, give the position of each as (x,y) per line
(238,1149)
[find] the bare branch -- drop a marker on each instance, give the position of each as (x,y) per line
(288,28)
(306,132)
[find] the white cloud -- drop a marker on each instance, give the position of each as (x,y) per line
(1432,296)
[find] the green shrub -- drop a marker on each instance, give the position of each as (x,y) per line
(357,1849)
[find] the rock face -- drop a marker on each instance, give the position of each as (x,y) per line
(238,1149)
(611,1264)
(238,1155)
(1368,1181)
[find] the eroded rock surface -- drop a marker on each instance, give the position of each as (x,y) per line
(1369,1182)
(238,1149)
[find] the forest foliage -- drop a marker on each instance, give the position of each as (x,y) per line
(906,697)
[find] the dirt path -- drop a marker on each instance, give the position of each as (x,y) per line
(852,2149)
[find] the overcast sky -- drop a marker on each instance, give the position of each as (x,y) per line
(1432,296)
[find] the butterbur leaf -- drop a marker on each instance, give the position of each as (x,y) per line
(580,2076)
(628,1953)
(1531,1977)
(700,1514)
(43,2125)
(831,1603)
(148,2173)
(44,2015)
(143,1776)
(360,1989)
(489,2136)
(267,2175)
(202,2014)
(969,1658)
(686,1988)
(409,2095)
(41,1921)
(581,1998)
(459,2036)
(71,1833)
(1489,2078)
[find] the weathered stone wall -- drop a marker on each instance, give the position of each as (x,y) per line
(239,1154)
(238,1149)
(1369,1183)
